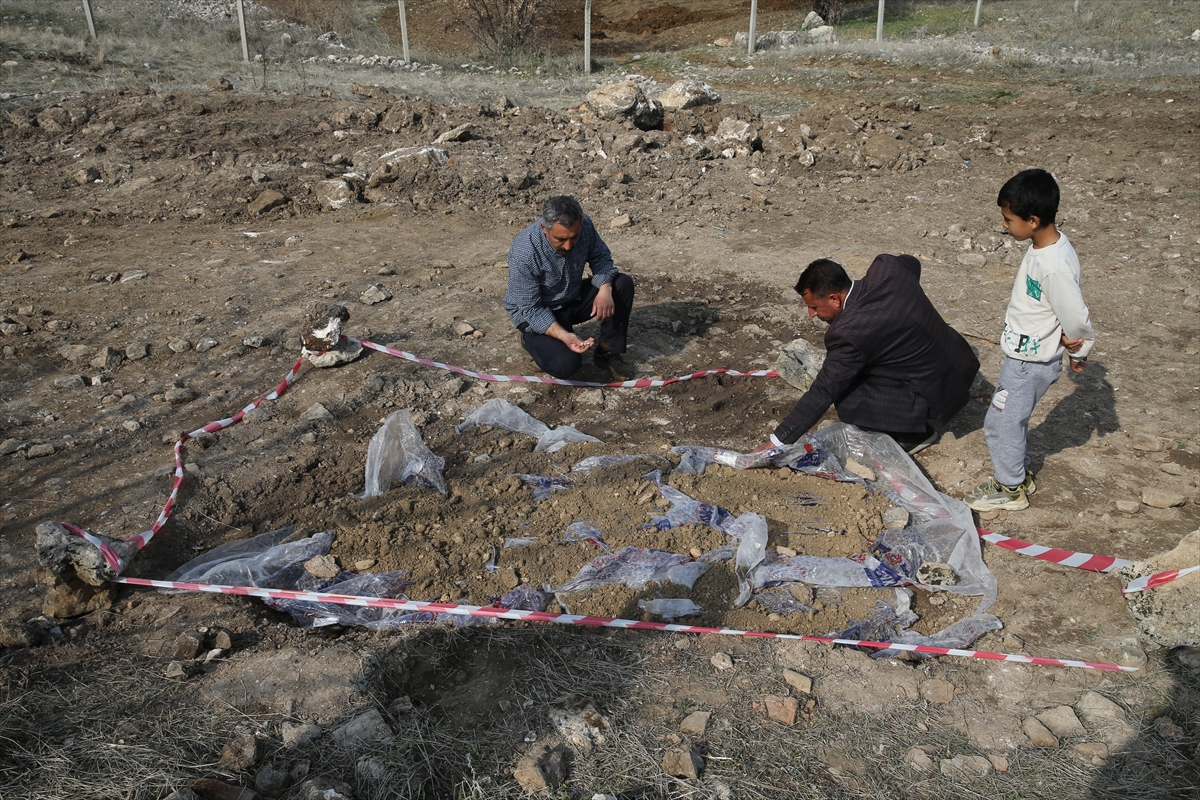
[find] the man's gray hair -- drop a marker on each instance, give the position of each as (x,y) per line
(562,209)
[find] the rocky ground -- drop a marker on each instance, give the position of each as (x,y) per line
(164,240)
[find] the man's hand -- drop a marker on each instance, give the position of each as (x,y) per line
(1071,345)
(767,445)
(1076,366)
(603,306)
(568,338)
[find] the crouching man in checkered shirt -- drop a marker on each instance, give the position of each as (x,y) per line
(547,295)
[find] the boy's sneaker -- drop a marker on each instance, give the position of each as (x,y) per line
(991,495)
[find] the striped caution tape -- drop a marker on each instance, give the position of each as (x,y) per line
(142,539)
(1053,555)
(634,384)
(1157,579)
(494,612)
(1086,561)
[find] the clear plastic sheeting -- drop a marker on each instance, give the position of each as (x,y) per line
(398,453)
(580,531)
(941,527)
(686,511)
(560,437)
(251,562)
(670,607)
(500,413)
(632,566)
(543,486)
(752,547)
(597,462)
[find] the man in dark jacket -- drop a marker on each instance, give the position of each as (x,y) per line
(892,364)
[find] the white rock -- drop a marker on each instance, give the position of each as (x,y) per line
(688,94)
(813,20)
(721,661)
(375,294)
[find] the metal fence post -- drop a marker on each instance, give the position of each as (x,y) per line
(242,24)
(978,8)
(879,23)
(753,26)
(587,37)
(87,10)
(404,30)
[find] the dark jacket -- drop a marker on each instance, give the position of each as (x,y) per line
(892,363)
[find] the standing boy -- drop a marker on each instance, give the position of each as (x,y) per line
(1046,319)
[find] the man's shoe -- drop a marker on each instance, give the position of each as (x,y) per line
(1029,486)
(928,441)
(991,495)
(620,369)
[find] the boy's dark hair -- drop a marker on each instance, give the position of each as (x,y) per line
(562,209)
(822,277)
(1031,193)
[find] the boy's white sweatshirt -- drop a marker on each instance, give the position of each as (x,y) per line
(1047,301)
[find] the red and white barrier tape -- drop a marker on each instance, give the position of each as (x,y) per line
(142,539)
(634,384)
(1086,561)
(1157,579)
(1067,558)
(493,612)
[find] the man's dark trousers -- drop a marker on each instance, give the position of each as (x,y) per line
(554,357)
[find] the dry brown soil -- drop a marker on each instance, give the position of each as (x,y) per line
(713,254)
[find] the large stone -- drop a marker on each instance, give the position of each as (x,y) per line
(323,326)
(1107,718)
(822,34)
(1039,735)
(918,759)
(542,768)
(625,99)
(298,734)
(813,20)
(882,149)
(323,789)
(345,352)
(374,294)
(267,201)
(1062,722)
(798,681)
(781,709)
(187,646)
(974,766)
(1161,498)
(334,193)
(317,413)
(799,362)
(63,552)
(107,358)
(242,753)
(688,94)
(695,723)
(579,722)
(76,352)
(366,729)
(683,762)
(460,133)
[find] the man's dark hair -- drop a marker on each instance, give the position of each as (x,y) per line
(822,277)
(1031,193)
(562,209)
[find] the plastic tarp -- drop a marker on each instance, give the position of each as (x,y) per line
(398,453)
(499,413)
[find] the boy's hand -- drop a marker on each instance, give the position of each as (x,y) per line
(1077,366)
(1071,345)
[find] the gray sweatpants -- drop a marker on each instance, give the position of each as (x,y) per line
(1006,426)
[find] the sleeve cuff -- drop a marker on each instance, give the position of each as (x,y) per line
(775,441)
